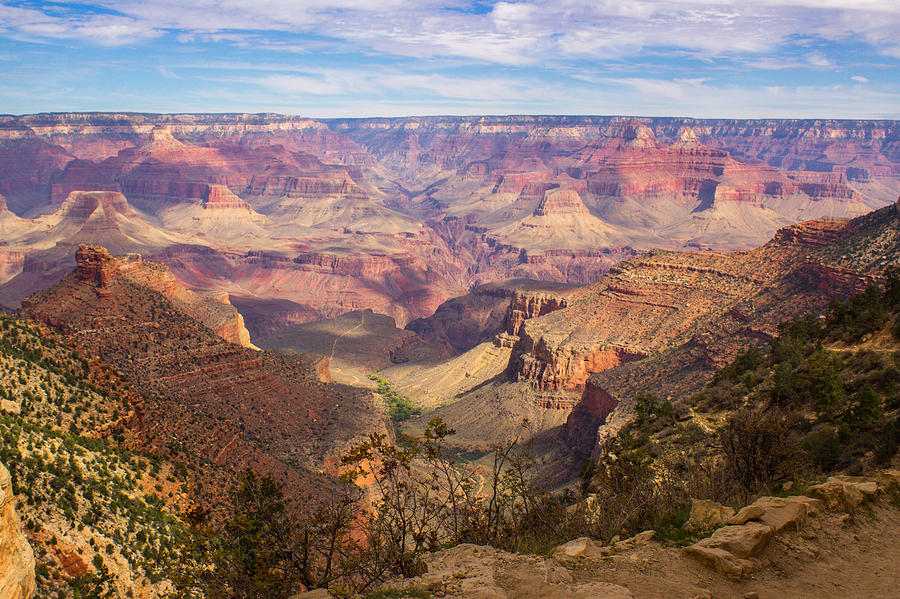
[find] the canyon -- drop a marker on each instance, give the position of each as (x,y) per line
(246,276)
(297,219)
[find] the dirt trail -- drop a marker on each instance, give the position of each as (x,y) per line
(856,559)
(832,556)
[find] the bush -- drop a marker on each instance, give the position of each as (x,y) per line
(758,447)
(823,448)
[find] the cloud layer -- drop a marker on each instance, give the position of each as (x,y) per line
(826,57)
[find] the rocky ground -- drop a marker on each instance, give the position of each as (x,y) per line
(840,544)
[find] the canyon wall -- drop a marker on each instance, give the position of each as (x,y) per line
(401,215)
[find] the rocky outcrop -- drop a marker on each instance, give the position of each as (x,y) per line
(468,571)
(732,550)
(206,401)
(16,556)
(566,368)
(97,268)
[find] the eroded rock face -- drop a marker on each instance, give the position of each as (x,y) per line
(96,267)
(207,400)
(16,556)
(400,215)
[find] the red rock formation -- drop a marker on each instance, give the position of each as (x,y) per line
(529,304)
(555,198)
(95,266)
(206,401)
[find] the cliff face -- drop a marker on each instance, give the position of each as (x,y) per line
(16,556)
(706,300)
(96,267)
(400,215)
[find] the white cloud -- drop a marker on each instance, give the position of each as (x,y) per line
(860,79)
(511,33)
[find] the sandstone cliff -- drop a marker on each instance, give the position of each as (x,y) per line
(16,556)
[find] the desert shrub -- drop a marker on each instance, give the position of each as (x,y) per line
(823,448)
(263,549)
(861,315)
(868,410)
(783,392)
(758,446)
(744,363)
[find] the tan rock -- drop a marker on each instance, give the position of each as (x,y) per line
(582,547)
(706,514)
(477,572)
(747,513)
(783,512)
(722,561)
(844,495)
(316,594)
(16,555)
(888,478)
(742,541)
(638,540)
(728,550)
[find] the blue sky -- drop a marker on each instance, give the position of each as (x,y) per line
(328,58)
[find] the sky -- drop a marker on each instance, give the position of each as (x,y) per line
(357,58)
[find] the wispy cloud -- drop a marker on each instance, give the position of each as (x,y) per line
(655,56)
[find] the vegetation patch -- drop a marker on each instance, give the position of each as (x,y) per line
(399,407)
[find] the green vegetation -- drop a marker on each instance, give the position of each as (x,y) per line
(807,405)
(77,488)
(399,407)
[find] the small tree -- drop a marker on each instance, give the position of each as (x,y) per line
(758,447)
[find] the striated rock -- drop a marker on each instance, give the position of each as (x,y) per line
(781,513)
(95,266)
(747,513)
(208,401)
(16,556)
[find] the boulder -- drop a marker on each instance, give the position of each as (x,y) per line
(722,561)
(638,540)
(728,549)
(747,513)
(582,547)
(706,514)
(782,512)
(845,493)
(742,541)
